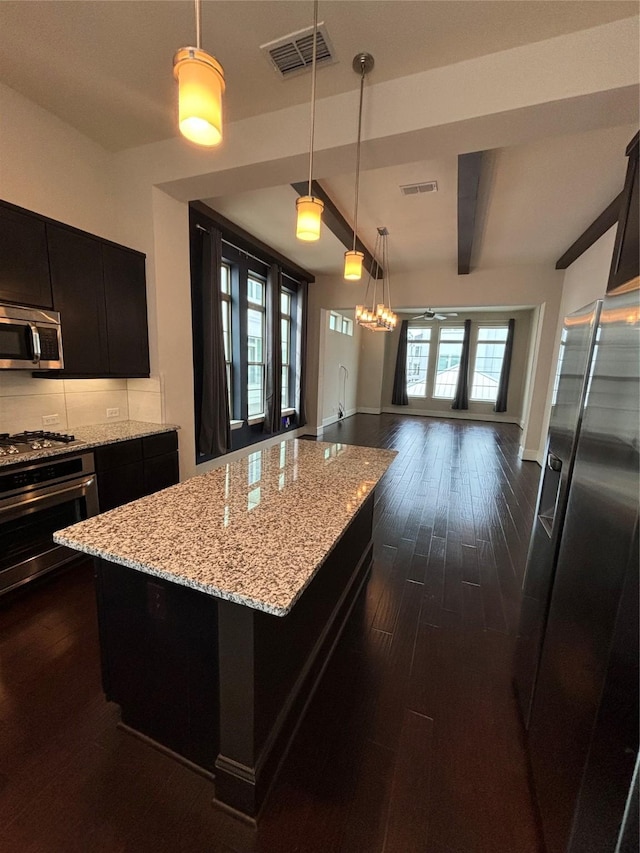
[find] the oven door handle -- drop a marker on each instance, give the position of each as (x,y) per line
(45,498)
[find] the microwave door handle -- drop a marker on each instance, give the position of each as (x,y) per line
(35,340)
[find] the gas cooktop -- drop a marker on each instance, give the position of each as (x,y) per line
(23,442)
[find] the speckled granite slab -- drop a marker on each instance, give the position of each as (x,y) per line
(254,531)
(92,436)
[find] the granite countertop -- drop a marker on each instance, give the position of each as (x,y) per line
(254,531)
(91,436)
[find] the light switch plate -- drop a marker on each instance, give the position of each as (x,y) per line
(50,420)
(113,413)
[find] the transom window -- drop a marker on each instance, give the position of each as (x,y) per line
(448,364)
(255,346)
(489,355)
(418,346)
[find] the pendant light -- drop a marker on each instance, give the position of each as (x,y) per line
(362,64)
(309,208)
(200,88)
(380,317)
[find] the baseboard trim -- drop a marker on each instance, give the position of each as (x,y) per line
(528,455)
(368,410)
(333,419)
(491,417)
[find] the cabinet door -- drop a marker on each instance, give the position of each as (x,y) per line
(78,294)
(121,485)
(160,472)
(126,306)
(24,265)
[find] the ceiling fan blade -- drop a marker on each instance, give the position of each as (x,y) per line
(441,316)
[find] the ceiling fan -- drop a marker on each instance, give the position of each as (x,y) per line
(430,314)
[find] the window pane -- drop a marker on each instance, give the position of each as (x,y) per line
(449,354)
(417,333)
(255,334)
(255,389)
(285,302)
(225,279)
(417,367)
(255,291)
(486,373)
(285,387)
(488,333)
(284,339)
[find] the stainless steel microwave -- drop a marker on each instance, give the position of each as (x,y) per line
(30,338)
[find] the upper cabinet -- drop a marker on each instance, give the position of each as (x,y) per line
(626,264)
(24,264)
(98,287)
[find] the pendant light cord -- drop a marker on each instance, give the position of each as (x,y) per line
(198,25)
(355,209)
(313,91)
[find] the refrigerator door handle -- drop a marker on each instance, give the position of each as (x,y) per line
(554,462)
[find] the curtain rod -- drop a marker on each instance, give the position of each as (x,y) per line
(248,254)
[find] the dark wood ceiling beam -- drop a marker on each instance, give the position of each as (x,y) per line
(469,167)
(598,227)
(337,224)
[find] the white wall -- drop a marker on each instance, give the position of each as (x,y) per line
(339,369)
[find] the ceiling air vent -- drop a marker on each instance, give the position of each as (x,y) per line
(293,54)
(414,189)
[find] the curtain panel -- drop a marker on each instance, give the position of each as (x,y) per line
(273,378)
(213,431)
(399,396)
(503,385)
(461,399)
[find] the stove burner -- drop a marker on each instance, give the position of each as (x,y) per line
(31,440)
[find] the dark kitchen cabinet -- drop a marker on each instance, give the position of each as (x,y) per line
(24,264)
(125,296)
(626,251)
(100,291)
(128,470)
(78,294)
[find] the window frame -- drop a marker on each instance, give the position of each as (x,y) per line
(259,308)
(474,357)
(429,343)
(445,327)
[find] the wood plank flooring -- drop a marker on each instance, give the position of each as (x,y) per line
(412,742)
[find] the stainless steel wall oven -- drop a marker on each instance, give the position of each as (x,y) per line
(37,498)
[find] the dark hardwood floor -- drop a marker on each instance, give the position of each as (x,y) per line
(412,742)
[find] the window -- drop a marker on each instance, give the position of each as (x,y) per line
(489,356)
(334,321)
(418,343)
(448,365)
(225,295)
(347,326)
(286,303)
(255,346)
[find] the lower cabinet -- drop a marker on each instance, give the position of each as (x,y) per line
(131,469)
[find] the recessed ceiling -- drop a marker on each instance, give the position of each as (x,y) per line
(105,67)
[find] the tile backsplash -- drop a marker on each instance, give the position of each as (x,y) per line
(25,401)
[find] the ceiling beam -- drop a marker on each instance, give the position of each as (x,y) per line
(598,227)
(337,224)
(469,167)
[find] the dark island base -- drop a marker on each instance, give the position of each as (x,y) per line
(222,685)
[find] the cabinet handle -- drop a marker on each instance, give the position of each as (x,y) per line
(35,339)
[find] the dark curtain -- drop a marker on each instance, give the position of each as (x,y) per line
(301,350)
(399,397)
(213,432)
(503,387)
(273,378)
(461,399)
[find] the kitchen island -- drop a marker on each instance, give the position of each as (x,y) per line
(221,599)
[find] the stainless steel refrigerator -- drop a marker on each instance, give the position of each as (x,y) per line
(576,670)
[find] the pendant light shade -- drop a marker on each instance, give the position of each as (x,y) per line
(309,218)
(308,207)
(362,64)
(353,265)
(200,89)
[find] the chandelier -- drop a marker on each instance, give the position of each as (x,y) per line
(380,317)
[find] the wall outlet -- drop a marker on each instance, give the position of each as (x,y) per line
(50,420)
(113,413)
